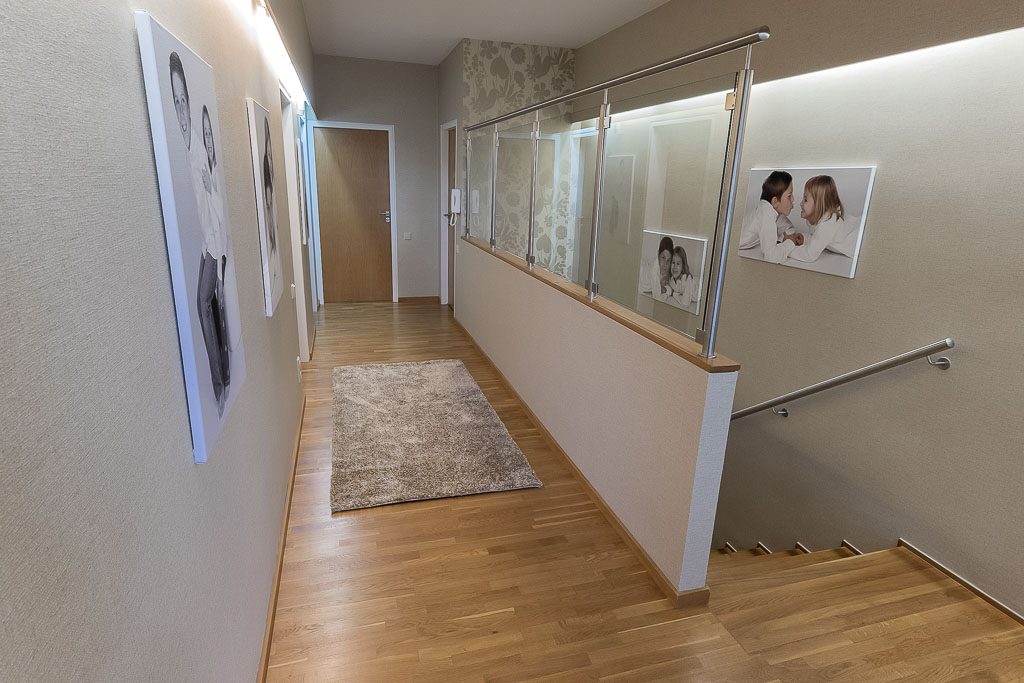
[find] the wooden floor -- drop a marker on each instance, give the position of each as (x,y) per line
(535,584)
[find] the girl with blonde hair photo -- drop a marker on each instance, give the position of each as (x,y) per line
(826,218)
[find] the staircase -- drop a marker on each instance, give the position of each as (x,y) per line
(840,614)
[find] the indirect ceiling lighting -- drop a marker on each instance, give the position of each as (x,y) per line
(273,48)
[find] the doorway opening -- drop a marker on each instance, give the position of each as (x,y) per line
(355,210)
(450,217)
(290,128)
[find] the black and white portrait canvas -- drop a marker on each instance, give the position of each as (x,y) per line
(183,118)
(266,203)
(808,218)
(670,269)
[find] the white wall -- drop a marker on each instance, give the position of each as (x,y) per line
(645,426)
(403,95)
(916,452)
(123,560)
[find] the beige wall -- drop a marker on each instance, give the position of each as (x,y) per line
(451,85)
(931,456)
(291,22)
(403,95)
(646,427)
(123,560)
(807,35)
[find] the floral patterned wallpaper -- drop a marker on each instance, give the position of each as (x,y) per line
(512,195)
(505,76)
(500,77)
(556,201)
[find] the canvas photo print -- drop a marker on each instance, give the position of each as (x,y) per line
(182,103)
(670,269)
(266,204)
(809,218)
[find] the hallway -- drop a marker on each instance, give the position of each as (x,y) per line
(536,583)
(519,583)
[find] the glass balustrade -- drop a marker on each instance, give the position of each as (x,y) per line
(664,158)
(661,193)
(564,198)
(512,185)
(481,165)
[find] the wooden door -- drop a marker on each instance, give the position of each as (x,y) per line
(353,186)
(452,230)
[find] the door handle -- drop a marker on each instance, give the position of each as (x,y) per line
(386,214)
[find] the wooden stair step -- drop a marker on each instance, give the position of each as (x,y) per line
(823,576)
(727,557)
(719,574)
(732,559)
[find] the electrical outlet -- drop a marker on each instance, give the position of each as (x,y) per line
(298,367)
(293,291)
(408,235)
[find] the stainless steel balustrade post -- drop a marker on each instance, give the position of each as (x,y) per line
(708,334)
(602,134)
(494,185)
(531,253)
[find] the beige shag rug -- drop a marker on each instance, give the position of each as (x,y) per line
(416,431)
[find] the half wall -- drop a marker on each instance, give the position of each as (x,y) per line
(645,426)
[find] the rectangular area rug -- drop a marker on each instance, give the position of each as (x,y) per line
(417,431)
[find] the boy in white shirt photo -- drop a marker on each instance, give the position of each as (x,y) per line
(768,226)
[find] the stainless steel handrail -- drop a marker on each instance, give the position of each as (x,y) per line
(907,357)
(751,38)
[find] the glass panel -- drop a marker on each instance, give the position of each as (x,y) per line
(663,165)
(512,189)
(481,160)
(566,167)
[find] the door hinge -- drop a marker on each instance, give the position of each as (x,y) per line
(730,101)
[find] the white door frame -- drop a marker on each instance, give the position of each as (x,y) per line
(315,284)
(289,128)
(445,202)
(393,175)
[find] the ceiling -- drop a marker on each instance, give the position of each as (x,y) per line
(425,31)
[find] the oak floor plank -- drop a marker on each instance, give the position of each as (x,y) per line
(536,584)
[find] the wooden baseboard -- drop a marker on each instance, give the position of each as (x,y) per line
(690,598)
(276,585)
(1005,609)
(419,300)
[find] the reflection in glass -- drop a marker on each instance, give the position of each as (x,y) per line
(664,159)
(566,167)
(512,186)
(481,160)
